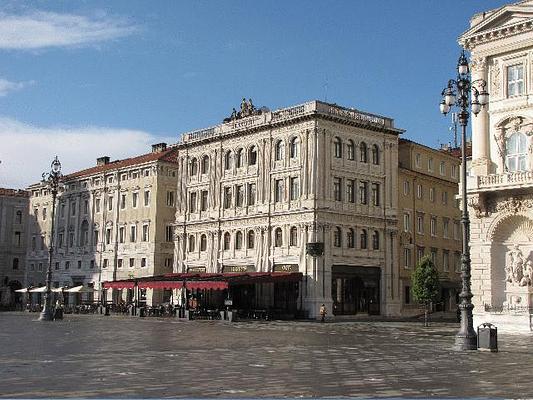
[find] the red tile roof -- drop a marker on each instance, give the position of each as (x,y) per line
(14,192)
(168,155)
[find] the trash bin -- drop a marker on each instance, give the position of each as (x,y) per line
(107,310)
(487,337)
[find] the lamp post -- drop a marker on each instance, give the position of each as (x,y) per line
(466,95)
(51,179)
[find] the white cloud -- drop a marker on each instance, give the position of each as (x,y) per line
(8,86)
(27,151)
(39,29)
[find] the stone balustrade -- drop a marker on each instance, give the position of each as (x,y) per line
(511,179)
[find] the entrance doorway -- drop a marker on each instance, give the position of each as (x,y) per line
(355,290)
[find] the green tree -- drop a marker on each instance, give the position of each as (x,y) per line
(425,284)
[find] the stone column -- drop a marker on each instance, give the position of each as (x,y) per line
(480,124)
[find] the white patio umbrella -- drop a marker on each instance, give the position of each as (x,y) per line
(41,289)
(23,290)
(58,289)
(80,289)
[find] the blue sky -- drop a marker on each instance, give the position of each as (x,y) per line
(88,78)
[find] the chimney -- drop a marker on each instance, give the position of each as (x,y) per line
(159,147)
(102,160)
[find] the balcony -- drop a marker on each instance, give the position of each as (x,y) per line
(511,180)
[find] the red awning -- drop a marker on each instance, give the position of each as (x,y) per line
(119,285)
(213,285)
(161,285)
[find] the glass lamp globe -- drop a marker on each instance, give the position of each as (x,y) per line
(483,98)
(476,107)
(444,108)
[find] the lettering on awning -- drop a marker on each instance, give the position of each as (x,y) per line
(238,268)
(285,267)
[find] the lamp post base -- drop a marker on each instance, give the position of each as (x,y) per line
(47,314)
(465,342)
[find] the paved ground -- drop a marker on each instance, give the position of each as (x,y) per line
(96,356)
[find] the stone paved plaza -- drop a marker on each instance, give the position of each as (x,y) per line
(97,356)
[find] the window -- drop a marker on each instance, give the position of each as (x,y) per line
(376,201)
(133,233)
(350,238)
(227,241)
(442,168)
(203,200)
(364,239)
(169,262)
(205,164)
(419,253)
(134,199)
(454,171)
(145,233)
(146,198)
(63,206)
(337,237)
(109,179)
(430,164)
(110,203)
(445,227)
(15,263)
(227,160)
(337,194)
(420,224)
(279,150)
(406,257)
(295,188)
(122,201)
(57,266)
(108,235)
(239,161)
(432,194)
(84,233)
(36,213)
(170,198)
(193,167)
(79,264)
(192,202)
(44,213)
(363,152)
(433,226)
(72,209)
(169,233)
(192,243)
(18,217)
(120,263)
(375,240)
(294,147)
(363,192)
(444,197)
(278,237)
(515,80)
(406,188)
(252,156)
(95,237)
(203,243)
(433,255)
(239,198)
(516,152)
(60,240)
(251,240)
(293,237)
(70,240)
(337,145)
(132,262)
(407,222)
(418,160)
(227,197)
(375,154)
(278,190)
(18,238)
(67,264)
(350,146)
(96,204)
(419,191)
(238,240)
(445,260)
(251,194)
(350,190)
(457,261)
(456,230)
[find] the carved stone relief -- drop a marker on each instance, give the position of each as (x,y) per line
(495,82)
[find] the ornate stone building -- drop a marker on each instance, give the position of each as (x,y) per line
(429,220)
(310,188)
(500,190)
(13,219)
(113,221)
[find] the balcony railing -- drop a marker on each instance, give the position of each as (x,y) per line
(511,179)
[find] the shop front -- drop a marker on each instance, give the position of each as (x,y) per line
(355,290)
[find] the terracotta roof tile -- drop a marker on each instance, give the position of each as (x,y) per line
(14,192)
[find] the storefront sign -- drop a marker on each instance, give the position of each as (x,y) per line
(315,249)
(286,268)
(238,268)
(196,269)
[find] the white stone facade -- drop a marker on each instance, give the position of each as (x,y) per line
(500,189)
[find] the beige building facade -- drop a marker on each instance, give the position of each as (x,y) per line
(429,220)
(500,188)
(310,189)
(13,243)
(113,221)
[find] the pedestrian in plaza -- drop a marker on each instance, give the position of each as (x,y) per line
(323,312)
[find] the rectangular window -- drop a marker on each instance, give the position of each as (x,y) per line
(445,260)
(406,188)
(60,240)
(106,263)
(363,192)
(95,237)
(143,262)
(86,206)
(457,261)
(145,236)
(337,183)
(376,200)
(91,264)
(73,208)
(133,233)
(418,160)
(420,224)
(134,199)
(407,222)
(456,230)
(445,227)
(227,197)
(442,168)
(44,213)
(146,198)
(239,191)
(350,190)
(419,253)
(169,262)
(121,234)
(67,264)
(132,262)
(454,171)
(62,210)
(295,188)
(108,235)
(432,194)
(97,205)
(122,201)
(79,264)
(192,202)
(120,263)
(515,80)
(430,164)
(251,194)
(110,203)
(278,190)
(71,239)
(419,191)
(169,237)
(57,266)
(433,226)
(204,200)
(445,197)
(18,239)
(170,198)
(434,256)
(406,257)
(40,266)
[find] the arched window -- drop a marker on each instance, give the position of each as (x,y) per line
(19,217)
(238,240)
(364,239)
(192,243)
(375,154)
(278,237)
(279,150)
(350,238)
(363,152)
(239,158)
(205,164)
(227,160)
(227,241)
(337,237)
(251,239)
(375,240)
(516,152)
(15,263)
(84,233)
(294,149)
(194,167)
(293,238)
(337,146)
(203,243)
(252,155)
(351,150)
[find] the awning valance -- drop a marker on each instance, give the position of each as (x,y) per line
(119,285)
(161,285)
(209,285)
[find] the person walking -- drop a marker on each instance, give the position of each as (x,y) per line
(323,312)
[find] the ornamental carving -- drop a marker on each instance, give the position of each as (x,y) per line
(247,110)
(511,205)
(495,83)
(518,270)
(476,203)
(478,64)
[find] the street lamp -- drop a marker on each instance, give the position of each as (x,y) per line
(51,179)
(464,94)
